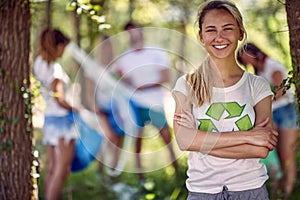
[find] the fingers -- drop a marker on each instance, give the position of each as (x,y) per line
(264,136)
(270,143)
(273,142)
(272,139)
(275,132)
(184,116)
(185,119)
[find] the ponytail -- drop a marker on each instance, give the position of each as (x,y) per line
(200,83)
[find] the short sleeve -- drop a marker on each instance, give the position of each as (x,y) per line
(181,86)
(58,72)
(261,88)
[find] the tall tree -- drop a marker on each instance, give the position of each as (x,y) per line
(293,17)
(15,108)
(48,12)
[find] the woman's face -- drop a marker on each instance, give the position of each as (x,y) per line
(220,33)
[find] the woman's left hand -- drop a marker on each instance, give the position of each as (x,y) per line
(185,119)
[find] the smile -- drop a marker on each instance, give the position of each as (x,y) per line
(220,46)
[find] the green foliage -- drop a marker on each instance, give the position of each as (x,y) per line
(292,80)
(266,23)
(90,8)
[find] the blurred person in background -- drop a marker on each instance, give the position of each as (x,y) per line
(284,110)
(146,69)
(106,106)
(59,131)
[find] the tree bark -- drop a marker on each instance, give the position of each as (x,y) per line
(293,18)
(15,108)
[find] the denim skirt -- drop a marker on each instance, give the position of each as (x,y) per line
(56,127)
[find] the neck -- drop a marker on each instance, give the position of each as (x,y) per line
(137,46)
(225,72)
(226,67)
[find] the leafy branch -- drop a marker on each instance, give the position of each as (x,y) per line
(93,11)
(292,79)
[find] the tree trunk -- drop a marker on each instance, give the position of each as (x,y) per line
(49,12)
(293,17)
(15,108)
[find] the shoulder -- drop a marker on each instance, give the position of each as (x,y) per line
(181,85)
(126,56)
(258,83)
(274,65)
(255,79)
(39,62)
(155,51)
(182,80)
(260,87)
(57,66)
(40,66)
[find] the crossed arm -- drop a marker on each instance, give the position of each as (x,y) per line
(255,143)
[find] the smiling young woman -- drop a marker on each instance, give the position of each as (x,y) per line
(223,114)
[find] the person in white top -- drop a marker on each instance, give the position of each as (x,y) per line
(59,129)
(146,69)
(284,110)
(223,114)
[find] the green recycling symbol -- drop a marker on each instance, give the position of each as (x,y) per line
(216,110)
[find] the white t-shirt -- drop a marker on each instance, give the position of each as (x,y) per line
(46,74)
(103,90)
(271,66)
(231,109)
(144,67)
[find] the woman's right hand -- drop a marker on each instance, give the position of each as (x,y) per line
(263,135)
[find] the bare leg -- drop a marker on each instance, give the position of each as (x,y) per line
(50,167)
(64,155)
(114,141)
(138,151)
(116,150)
(166,135)
(287,145)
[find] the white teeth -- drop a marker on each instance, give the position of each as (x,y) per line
(220,46)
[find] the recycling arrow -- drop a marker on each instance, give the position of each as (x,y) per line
(234,109)
(207,125)
(216,110)
(244,124)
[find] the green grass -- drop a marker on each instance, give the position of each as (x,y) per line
(163,183)
(92,185)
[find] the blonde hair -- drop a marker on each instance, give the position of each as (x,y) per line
(199,81)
